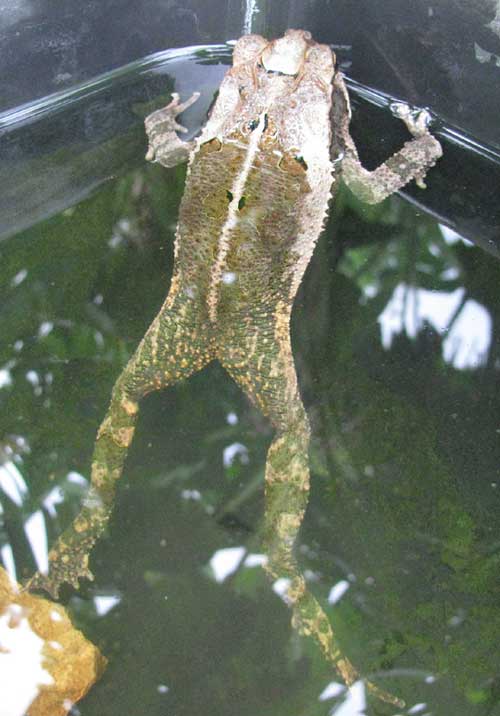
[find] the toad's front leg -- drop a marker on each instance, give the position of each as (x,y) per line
(167,354)
(412,161)
(165,147)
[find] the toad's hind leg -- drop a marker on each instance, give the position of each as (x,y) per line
(260,360)
(167,354)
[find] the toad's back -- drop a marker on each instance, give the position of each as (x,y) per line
(238,225)
(258,186)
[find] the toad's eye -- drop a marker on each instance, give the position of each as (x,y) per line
(253,124)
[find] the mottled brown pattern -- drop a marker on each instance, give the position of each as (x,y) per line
(259,181)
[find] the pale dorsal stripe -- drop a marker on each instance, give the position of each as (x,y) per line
(237,191)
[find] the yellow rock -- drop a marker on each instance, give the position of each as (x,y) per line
(46,665)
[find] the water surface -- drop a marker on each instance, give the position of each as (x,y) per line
(395,336)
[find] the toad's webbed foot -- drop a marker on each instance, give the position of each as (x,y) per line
(310,620)
(67,565)
(69,557)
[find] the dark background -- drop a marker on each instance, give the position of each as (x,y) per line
(442,54)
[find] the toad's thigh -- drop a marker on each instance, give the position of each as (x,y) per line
(178,343)
(258,356)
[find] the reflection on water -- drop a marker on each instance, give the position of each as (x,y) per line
(465,324)
(400,542)
(15,490)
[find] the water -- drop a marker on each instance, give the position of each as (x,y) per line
(396,343)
